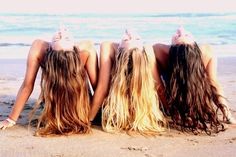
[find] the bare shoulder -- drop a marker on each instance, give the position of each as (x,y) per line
(161,48)
(148,47)
(149,50)
(109,45)
(85,46)
(206,50)
(161,52)
(38,49)
(40,44)
(108,49)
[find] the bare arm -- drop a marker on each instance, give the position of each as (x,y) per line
(34,57)
(160,58)
(106,57)
(210,62)
(89,58)
(211,68)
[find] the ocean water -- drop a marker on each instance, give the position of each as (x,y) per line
(17,31)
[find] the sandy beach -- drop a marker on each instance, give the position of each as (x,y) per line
(19,141)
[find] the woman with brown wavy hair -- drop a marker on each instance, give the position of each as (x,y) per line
(126,89)
(64,89)
(193,95)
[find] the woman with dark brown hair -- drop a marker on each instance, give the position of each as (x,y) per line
(64,85)
(191,95)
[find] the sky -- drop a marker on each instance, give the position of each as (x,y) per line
(116,6)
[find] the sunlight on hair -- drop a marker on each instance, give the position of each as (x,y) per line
(64,94)
(132,104)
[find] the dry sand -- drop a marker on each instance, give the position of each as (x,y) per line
(18,141)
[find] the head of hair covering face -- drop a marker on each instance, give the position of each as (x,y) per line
(182,37)
(130,40)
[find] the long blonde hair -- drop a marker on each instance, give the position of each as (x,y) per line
(132,103)
(64,93)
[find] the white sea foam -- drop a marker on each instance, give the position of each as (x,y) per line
(18,31)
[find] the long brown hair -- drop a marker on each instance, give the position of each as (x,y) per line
(64,93)
(193,99)
(132,103)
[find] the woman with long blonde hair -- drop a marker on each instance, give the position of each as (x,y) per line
(64,87)
(131,102)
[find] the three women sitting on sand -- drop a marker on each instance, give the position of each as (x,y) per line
(131,79)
